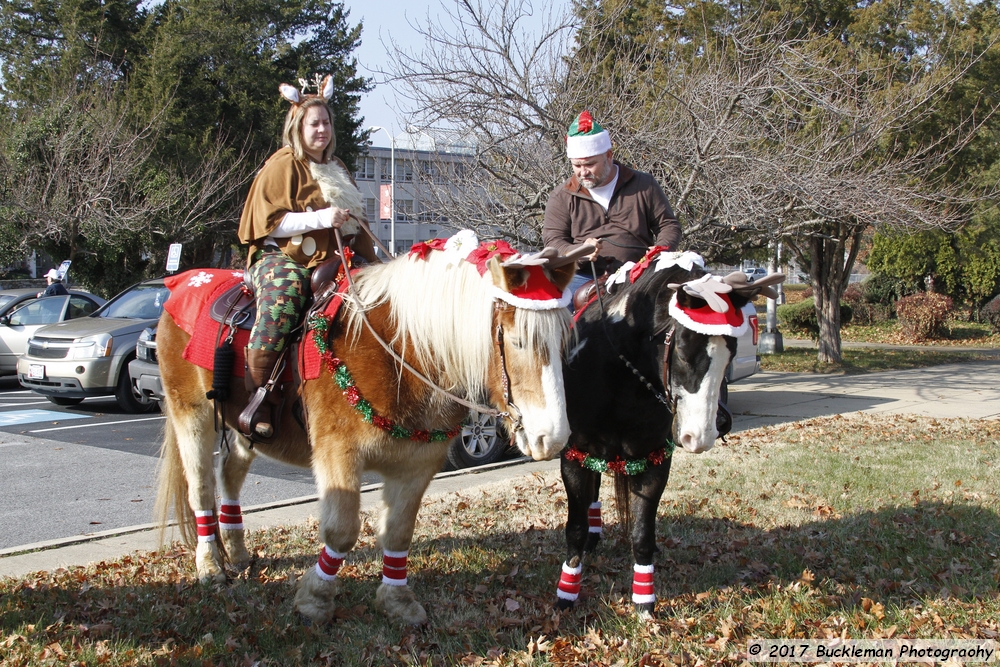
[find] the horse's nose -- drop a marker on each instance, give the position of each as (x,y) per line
(694,443)
(545,448)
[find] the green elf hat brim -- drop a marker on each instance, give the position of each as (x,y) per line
(586,138)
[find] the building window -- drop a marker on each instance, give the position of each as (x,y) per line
(371,209)
(431,171)
(404,210)
(365,169)
(404,170)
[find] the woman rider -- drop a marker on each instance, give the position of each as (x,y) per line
(299,196)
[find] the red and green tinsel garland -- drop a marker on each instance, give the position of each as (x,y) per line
(618,464)
(319,325)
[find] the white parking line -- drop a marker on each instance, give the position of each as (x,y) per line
(17,405)
(124,421)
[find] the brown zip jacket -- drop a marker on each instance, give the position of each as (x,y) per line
(638,216)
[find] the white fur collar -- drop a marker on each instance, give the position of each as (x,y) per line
(338,190)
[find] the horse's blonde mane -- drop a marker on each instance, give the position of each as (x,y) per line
(443,313)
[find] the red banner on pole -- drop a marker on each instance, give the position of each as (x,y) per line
(385,202)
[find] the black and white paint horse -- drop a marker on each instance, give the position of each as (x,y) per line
(645,374)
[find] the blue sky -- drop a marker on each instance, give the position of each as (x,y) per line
(388,22)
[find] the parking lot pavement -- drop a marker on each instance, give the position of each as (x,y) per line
(53,489)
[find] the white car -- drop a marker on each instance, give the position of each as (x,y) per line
(28,313)
(89,356)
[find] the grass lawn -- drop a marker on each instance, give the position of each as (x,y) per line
(862,360)
(868,527)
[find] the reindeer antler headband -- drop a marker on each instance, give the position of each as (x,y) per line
(323,86)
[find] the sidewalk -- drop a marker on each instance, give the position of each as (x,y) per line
(986,351)
(969,390)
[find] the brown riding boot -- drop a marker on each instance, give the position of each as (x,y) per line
(257,418)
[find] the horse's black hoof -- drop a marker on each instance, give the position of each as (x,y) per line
(645,608)
(563,604)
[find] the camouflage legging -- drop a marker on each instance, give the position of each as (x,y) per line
(282,287)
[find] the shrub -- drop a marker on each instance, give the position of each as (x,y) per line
(801,317)
(865,311)
(991,313)
(922,316)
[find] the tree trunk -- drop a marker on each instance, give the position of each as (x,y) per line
(833,250)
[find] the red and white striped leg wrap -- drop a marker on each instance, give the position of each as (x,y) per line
(569,582)
(329,564)
(642,585)
(205,519)
(230,516)
(394,567)
(594,517)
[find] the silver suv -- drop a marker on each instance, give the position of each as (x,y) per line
(89,356)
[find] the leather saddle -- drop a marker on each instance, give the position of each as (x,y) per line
(237,307)
(587,291)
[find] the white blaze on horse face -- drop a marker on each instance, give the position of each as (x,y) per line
(546,426)
(694,418)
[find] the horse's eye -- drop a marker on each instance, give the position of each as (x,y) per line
(516,342)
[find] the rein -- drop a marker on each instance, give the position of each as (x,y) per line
(667,398)
(514,415)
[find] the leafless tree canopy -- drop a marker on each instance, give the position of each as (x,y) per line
(86,170)
(755,136)
(496,73)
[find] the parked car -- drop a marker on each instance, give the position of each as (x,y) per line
(22,313)
(89,356)
(755,272)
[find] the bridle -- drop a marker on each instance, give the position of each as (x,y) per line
(512,414)
(666,397)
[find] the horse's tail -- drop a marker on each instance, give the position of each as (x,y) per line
(172,490)
(623,504)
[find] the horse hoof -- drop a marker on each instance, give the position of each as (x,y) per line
(645,610)
(398,602)
(212,578)
(236,549)
(563,604)
(208,562)
(314,597)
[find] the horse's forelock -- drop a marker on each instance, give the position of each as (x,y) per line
(542,326)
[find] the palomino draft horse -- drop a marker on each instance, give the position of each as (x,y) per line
(472,324)
(645,373)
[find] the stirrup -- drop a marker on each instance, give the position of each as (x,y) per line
(251,428)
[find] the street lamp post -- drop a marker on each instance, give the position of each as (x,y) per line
(392,186)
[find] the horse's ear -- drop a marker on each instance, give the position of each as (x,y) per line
(506,278)
(290,93)
(560,275)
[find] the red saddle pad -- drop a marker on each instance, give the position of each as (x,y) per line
(191,294)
